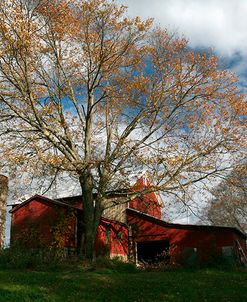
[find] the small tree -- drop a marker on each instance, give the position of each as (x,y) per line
(87,91)
(228,207)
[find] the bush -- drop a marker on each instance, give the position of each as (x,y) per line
(17,258)
(57,259)
(21,258)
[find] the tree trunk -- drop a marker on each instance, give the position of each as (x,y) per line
(90,219)
(3,201)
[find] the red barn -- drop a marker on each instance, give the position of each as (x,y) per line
(131,230)
(40,222)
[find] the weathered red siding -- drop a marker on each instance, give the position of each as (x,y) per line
(112,238)
(207,240)
(37,224)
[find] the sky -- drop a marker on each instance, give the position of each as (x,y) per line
(220,25)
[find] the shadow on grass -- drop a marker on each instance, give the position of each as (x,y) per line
(20,294)
(107,285)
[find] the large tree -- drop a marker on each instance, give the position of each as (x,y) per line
(88,92)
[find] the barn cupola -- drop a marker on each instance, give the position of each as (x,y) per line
(148,203)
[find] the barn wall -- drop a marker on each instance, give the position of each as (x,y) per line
(39,224)
(207,242)
(112,239)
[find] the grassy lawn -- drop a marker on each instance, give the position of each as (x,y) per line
(108,285)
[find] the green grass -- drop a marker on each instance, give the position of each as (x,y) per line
(110,285)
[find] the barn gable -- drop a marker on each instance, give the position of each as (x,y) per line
(42,222)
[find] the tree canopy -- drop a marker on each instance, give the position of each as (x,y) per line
(87,91)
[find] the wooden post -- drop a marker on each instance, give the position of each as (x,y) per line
(3,205)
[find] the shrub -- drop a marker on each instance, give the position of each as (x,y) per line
(18,257)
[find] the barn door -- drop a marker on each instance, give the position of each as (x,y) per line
(153,251)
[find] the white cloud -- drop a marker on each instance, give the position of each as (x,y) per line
(213,23)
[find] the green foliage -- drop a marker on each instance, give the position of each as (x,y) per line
(18,258)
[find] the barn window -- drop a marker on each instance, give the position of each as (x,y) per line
(227,251)
(229,255)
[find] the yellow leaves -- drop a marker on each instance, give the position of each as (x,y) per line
(61,21)
(225,130)
(18,158)
(63,229)
(143,25)
(174,160)
(48,109)
(198,148)
(137,20)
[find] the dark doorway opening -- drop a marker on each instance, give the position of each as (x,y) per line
(153,251)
